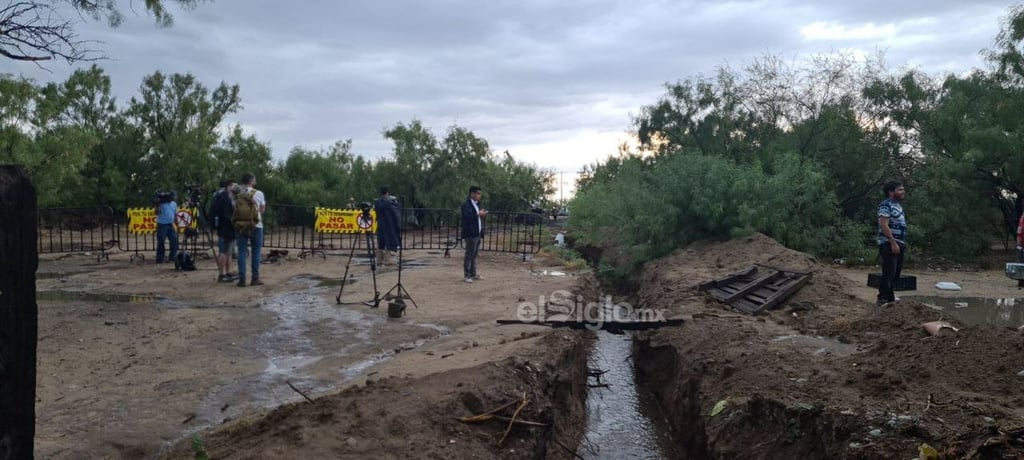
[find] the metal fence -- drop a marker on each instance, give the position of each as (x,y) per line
(101,228)
(82,229)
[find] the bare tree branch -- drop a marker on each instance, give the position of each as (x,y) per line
(34,31)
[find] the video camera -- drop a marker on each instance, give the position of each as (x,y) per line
(365,207)
(195,195)
(163,196)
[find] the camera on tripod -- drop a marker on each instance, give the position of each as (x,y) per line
(365,207)
(163,196)
(195,195)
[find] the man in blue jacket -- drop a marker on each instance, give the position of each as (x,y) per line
(472,232)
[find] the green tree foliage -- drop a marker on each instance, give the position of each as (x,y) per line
(84,149)
(799,152)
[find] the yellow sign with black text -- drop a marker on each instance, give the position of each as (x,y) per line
(344,221)
(142,221)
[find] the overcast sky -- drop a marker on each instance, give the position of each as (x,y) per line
(555,82)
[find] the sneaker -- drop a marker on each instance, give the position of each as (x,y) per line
(256,282)
(478,278)
(469,280)
(224,279)
(241,283)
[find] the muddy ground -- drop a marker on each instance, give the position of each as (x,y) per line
(135,359)
(827,375)
(830,375)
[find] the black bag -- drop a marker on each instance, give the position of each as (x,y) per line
(183,261)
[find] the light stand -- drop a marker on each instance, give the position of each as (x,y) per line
(397,307)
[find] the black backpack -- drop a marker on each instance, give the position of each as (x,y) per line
(183,261)
(221,210)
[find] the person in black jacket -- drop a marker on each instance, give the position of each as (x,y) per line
(389,225)
(472,232)
(220,212)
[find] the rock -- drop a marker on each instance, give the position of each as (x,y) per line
(989,420)
(875,433)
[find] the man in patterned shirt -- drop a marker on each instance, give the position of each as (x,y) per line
(892,239)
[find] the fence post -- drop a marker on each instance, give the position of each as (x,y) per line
(18,313)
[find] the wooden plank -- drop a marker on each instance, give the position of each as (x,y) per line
(796,283)
(750,287)
(749,271)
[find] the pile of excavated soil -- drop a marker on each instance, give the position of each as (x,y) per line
(835,378)
(397,417)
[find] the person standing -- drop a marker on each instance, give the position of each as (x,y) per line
(892,239)
(250,205)
(166,210)
(389,224)
(221,211)
(1020,245)
(472,232)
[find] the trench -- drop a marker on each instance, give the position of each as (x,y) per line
(620,421)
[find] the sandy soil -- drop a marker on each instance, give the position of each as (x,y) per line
(136,376)
(828,375)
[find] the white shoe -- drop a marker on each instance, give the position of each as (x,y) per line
(469,280)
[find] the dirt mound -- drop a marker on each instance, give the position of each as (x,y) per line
(418,418)
(673,281)
(975,363)
(835,378)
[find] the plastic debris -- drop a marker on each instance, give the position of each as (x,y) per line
(947,286)
(934,327)
(719,407)
(927,452)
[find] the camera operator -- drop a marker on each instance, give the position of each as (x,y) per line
(389,225)
(166,209)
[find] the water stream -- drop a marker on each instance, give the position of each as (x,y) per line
(618,426)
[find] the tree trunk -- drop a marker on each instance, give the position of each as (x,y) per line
(18,313)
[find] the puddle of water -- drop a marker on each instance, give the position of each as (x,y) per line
(996,312)
(617,424)
(77,296)
(54,276)
(323,281)
(291,353)
(549,273)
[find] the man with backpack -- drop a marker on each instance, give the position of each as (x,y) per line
(248,222)
(221,212)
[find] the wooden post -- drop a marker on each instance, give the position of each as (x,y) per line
(18,313)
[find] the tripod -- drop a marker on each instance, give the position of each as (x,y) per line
(397,307)
(372,254)
(195,202)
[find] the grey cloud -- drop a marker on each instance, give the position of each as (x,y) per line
(515,72)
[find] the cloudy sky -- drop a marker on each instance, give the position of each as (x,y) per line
(555,82)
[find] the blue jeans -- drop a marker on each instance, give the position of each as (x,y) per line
(255,241)
(166,232)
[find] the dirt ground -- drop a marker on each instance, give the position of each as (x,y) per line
(135,359)
(828,375)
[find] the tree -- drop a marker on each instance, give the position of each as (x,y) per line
(180,121)
(38,31)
